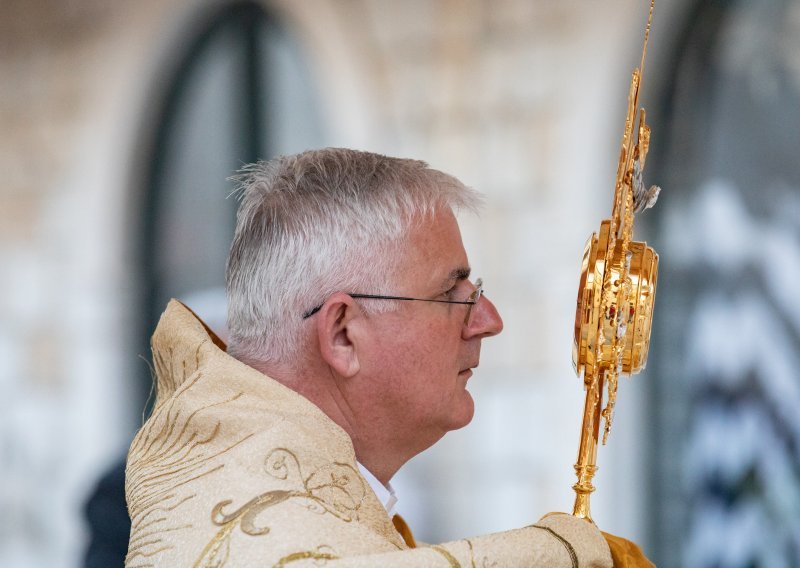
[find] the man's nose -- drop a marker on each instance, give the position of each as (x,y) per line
(485,321)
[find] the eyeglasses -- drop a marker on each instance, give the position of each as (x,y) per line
(471,301)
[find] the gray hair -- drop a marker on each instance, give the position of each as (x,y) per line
(316,223)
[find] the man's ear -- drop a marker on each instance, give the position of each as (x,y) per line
(337,321)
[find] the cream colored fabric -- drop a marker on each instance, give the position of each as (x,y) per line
(235,470)
(385,494)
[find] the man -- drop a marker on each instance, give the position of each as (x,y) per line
(354,328)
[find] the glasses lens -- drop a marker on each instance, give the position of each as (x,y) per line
(473,299)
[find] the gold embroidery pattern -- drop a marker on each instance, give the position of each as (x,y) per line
(471,554)
(318,555)
(485,562)
(169,452)
(454,563)
(335,488)
(571,551)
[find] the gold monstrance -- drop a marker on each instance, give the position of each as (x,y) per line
(615,294)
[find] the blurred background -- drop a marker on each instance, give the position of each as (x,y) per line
(121,121)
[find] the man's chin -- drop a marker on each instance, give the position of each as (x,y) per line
(466,411)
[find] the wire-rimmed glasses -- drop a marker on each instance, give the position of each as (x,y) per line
(471,301)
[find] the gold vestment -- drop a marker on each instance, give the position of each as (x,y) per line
(233,469)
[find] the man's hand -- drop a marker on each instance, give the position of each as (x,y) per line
(626,554)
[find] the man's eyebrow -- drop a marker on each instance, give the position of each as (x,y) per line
(460,273)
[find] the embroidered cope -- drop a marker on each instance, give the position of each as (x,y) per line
(234,470)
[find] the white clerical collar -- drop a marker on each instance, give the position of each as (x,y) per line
(385,493)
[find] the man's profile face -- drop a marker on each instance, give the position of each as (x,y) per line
(422,354)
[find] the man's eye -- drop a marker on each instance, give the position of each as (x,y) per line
(449,293)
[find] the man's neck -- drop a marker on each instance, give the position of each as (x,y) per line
(376,445)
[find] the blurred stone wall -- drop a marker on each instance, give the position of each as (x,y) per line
(523,100)
(69,85)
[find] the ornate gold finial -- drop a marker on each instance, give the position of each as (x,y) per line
(615,293)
